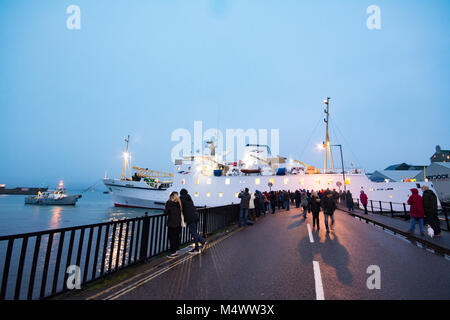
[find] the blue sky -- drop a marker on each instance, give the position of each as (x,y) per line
(145,68)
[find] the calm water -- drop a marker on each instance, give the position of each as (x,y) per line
(93,207)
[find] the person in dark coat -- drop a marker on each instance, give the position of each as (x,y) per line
(280,200)
(273,200)
(329,206)
(430,207)
(416,211)
(191,219)
(257,203)
(349,200)
(245,205)
(315,209)
(173,211)
(297,198)
(286,200)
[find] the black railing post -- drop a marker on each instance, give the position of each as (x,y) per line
(371,205)
(404,211)
(445,210)
(204,222)
(381,208)
(392,211)
(357,201)
(144,237)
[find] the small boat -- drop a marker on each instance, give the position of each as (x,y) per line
(53,197)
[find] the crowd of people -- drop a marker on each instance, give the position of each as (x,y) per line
(182,212)
(253,205)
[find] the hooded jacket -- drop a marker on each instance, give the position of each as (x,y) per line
(416,203)
(363,197)
(189,212)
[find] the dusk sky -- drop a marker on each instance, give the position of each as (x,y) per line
(68,98)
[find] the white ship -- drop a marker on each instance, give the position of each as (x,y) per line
(212,182)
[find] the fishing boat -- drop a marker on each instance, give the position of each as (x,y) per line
(53,197)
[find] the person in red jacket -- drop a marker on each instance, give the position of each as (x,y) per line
(416,211)
(363,197)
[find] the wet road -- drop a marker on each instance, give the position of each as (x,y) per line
(274,259)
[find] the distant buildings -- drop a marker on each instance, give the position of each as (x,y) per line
(440,155)
(438,172)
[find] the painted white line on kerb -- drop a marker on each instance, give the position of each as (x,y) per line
(318,281)
(311,239)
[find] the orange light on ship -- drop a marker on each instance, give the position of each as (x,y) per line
(61,184)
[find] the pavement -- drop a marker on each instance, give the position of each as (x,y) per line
(282,257)
(403,225)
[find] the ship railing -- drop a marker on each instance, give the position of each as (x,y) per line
(398,210)
(42,264)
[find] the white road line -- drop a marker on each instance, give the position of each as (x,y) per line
(311,239)
(318,281)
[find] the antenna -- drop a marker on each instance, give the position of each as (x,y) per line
(327,137)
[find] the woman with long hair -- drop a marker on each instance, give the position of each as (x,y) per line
(174,223)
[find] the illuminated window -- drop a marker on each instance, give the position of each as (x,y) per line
(257,180)
(227,181)
(317,181)
(182,181)
(221,194)
(347,180)
(196,194)
(197,181)
(236,194)
(286,180)
(208,181)
(302,181)
(208,194)
(330,181)
(390,197)
(271,180)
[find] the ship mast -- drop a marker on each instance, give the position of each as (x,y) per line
(126,162)
(326,144)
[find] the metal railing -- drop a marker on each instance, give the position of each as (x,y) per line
(398,209)
(36,264)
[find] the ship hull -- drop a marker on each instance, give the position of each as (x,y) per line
(224,190)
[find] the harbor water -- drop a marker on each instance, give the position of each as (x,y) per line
(94,207)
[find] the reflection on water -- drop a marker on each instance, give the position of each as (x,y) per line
(56,217)
(93,207)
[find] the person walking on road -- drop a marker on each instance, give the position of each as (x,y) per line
(174,223)
(364,198)
(245,205)
(349,200)
(416,211)
(304,204)
(430,207)
(297,198)
(329,206)
(286,200)
(315,209)
(191,219)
